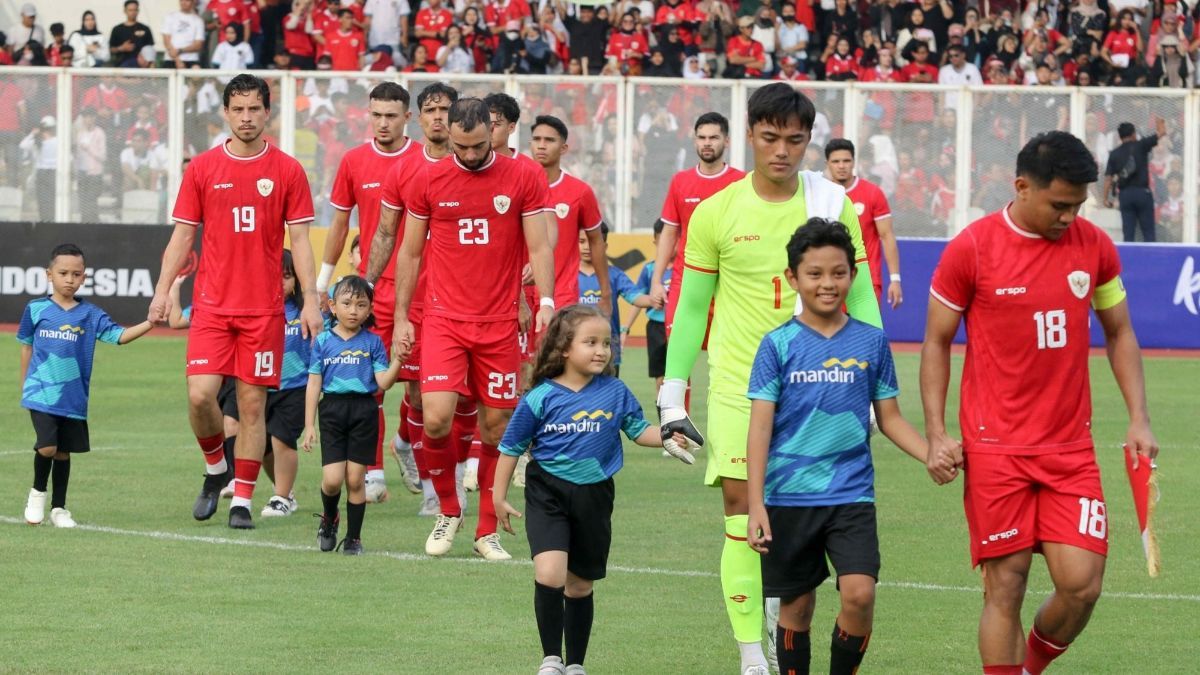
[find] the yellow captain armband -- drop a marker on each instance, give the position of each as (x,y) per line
(1109,295)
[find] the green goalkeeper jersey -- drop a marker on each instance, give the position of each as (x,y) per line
(738,241)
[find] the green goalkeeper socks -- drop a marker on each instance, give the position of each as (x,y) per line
(741,581)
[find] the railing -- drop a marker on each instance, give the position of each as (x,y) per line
(943,155)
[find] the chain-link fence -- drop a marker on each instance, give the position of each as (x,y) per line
(942,155)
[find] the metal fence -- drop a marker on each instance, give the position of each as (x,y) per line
(108,145)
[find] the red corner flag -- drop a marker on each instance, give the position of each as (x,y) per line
(1144,483)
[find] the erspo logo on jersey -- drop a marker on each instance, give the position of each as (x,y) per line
(835,371)
(582,422)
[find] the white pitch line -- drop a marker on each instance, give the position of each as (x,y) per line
(26,451)
(652,571)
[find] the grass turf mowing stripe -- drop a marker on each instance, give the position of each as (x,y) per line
(653,571)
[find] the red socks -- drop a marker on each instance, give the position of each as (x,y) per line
(1002,670)
(439,459)
(402,430)
(463,429)
(245,475)
(489,455)
(1040,651)
(213,448)
(415,422)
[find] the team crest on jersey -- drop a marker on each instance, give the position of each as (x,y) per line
(501,202)
(265,186)
(561,209)
(859,207)
(1080,282)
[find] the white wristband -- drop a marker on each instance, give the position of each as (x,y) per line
(325,275)
(547,302)
(895,278)
(672,393)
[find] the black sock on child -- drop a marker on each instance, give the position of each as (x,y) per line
(354,518)
(41,470)
(330,502)
(60,475)
(794,650)
(229,443)
(846,651)
(577,627)
(548,607)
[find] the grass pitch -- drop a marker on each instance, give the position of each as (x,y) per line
(141,587)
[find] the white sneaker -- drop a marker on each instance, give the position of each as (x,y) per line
(576,669)
(470,479)
(408,464)
(61,518)
(552,665)
(519,473)
(757,669)
(489,548)
(430,506)
(771,615)
(278,507)
(35,507)
(227,491)
(441,539)
(292,503)
(377,492)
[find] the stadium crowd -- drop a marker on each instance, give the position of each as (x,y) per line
(1087,42)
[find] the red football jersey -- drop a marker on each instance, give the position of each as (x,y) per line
(688,188)
(358,183)
(345,48)
(436,21)
(476,244)
(227,12)
(577,210)
(635,44)
(1026,300)
(871,205)
(244,204)
(682,16)
(396,185)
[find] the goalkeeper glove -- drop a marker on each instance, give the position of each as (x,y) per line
(673,419)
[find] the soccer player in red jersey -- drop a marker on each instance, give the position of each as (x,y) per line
(344,43)
(433,107)
(244,193)
(482,212)
(688,188)
(358,183)
(1026,280)
(874,217)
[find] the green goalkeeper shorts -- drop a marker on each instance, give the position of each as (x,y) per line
(728,427)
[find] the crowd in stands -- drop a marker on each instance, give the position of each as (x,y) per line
(1047,42)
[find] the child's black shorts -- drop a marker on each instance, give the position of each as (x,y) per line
(65,433)
(285,415)
(563,516)
(349,428)
(227,397)
(801,538)
(656,348)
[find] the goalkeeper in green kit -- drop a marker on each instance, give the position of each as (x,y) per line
(736,254)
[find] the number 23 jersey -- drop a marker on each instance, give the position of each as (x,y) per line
(1026,300)
(244,204)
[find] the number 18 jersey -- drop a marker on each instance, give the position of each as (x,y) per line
(1026,300)
(244,204)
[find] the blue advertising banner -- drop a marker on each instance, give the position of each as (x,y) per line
(1163,283)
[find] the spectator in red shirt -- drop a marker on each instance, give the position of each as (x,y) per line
(840,64)
(920,107)
(1055,41)
(1121,49)
(744,54)
(477,39)
(498,14)
(226,12)
(431,26)
(628,46)
(681,15)
(347,45)
(788,71)
(297,36)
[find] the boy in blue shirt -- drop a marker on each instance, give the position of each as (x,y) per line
(58,336)
(589,292)
(656,327)
(810,477)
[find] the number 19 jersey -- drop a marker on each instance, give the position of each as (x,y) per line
(1026,301)
(244,204)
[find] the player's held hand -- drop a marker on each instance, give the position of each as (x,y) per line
(160,309)
(945,458)
(402,339)
(680,436)
(758,532)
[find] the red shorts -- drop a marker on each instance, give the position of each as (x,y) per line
(383,307)
(1017,502)
(410,370)
(249,348)
(484,354)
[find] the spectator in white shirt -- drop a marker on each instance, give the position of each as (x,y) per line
(91,151)
(958,72)
(793,37)
(452,57)
(233,53)
(41,145)
(387,23)
(183,36)
(141,164)
(26,31)
(90,45)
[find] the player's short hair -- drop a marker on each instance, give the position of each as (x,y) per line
(469,113)
(504,105)
(289,270)
(436,90)
(356,287)
(1056,154)
(246,83)
(818,233)
(390,91)
(550,362)
(658,226)
(65,249)
(1126,130)
(779,104)
(552,122)
(839,144)
(712,118)
(131,2)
